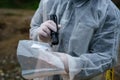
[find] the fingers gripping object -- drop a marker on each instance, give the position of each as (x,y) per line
(54,35)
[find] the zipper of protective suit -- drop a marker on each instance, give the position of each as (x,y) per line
(110,74)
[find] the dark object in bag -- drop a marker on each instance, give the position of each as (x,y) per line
(54,35)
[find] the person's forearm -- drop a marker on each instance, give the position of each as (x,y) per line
(64,59)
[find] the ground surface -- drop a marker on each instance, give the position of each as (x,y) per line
(14,26)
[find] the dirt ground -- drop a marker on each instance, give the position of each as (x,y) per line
(14,26)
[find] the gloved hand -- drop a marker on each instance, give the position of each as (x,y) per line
(44,30)
(64,59)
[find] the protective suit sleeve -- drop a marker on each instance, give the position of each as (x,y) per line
(37,19)
(103,50)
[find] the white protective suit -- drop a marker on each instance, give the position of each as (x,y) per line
(89,33)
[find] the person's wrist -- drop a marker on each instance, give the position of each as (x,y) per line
(66,64)
(63,58)
(38,38)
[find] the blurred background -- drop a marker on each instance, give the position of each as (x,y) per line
(15,17)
